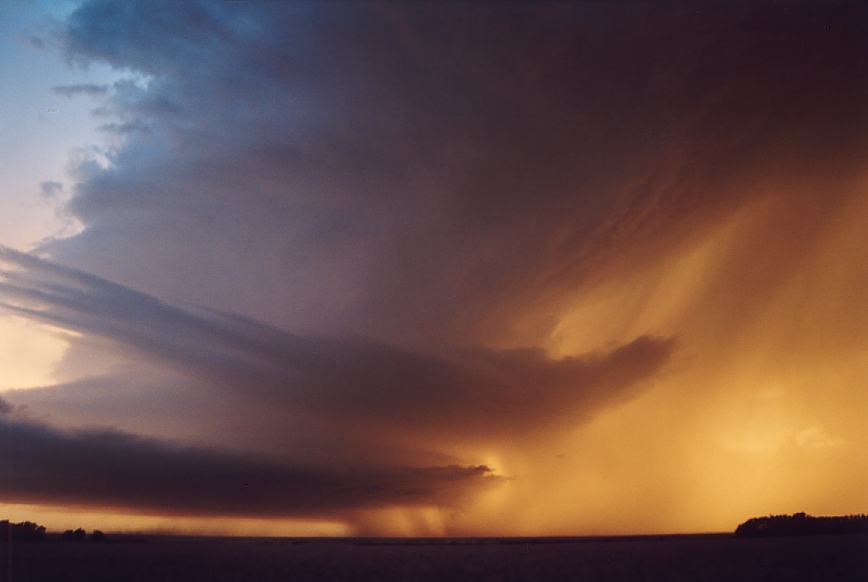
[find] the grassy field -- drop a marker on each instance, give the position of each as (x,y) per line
(703,558)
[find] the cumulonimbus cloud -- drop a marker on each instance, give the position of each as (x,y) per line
(378,205)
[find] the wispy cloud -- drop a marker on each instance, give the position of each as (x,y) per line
(86,89)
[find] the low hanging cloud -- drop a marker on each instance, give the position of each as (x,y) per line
(116,470)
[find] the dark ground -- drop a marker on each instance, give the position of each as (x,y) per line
(840,558)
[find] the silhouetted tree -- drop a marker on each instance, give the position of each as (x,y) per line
(800,524)
(78,535)
(24,531)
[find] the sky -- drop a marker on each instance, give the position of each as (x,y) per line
(432,268)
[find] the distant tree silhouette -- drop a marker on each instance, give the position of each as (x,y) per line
(78,535)
(29,531)
(800,524)
(24,531)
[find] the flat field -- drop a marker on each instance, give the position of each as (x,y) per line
(708,558)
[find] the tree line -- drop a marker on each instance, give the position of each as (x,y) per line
(28,531)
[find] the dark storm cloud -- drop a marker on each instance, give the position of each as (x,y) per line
(87,89)
(360,383)
(116,470)
(419,171)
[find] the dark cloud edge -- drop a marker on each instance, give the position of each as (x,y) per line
(111,469)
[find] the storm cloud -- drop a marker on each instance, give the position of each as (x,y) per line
(413,247)
(316,386)
(111,469)
(418,172)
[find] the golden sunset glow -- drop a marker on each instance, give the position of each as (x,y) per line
(28,353)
